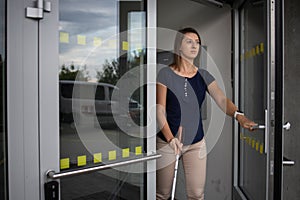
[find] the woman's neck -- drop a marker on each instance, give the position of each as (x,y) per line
(186,69)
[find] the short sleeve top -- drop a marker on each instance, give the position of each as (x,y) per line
(183,102)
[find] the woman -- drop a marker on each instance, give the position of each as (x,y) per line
(181,89)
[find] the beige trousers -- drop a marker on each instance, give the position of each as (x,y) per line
(194,163)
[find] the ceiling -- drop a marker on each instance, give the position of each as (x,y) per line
(217,3)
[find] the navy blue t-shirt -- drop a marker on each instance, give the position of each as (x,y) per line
(183,104)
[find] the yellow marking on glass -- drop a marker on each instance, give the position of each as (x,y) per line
(64,163)
(112,155)
(97,41)
(262,47)
(242,57)
(125,46)
(242,137)
(253,143)
(81,39)
(257,49)
(250,53)
(125,153)
(138,150)
(97,157)
(112,44)
(81,160)
(139,47)
(257,146)
(253,52)
(63,37)
(247,54)
(261,148)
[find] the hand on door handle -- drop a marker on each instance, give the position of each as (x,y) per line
(286,126)
(246,123)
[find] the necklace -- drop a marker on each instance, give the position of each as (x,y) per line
(185,87)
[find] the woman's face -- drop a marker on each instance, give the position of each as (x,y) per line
(189,46)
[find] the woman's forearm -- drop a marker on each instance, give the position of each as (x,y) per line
(163,125)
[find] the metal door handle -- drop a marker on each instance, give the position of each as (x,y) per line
(259,127)
(56,175)
(288,162)
(287,126)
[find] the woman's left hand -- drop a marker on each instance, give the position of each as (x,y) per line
(246,123)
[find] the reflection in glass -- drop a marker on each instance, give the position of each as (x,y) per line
(2,102)
(253,99)
(101,76)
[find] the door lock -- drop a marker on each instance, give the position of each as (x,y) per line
(51,190)
(38,11)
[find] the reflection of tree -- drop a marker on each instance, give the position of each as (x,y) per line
(137,58)
(70,73)
(110,73)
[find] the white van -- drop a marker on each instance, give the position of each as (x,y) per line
(79,98)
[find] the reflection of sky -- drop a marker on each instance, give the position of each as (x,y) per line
(95,19)
(90,18)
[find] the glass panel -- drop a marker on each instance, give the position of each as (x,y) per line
(101,51)
(2,101)
(253,98)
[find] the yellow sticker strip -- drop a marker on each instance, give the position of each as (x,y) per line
(112,155)
(125,153)
(81,160)
(64,163)
(63,37)
(125,46)
(253,143)
(139,47)
(97,157)
(112,44)
(257,146)
(261,148)
(138,150)
(261,47)
(257,49)
(253,52)
(81,39)
(97,41)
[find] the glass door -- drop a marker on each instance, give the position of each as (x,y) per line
(254,150)
(94,69)
(253,98)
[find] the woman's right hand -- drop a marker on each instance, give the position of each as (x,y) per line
(176,145)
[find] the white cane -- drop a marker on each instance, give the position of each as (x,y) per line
(176,165)
(175,177)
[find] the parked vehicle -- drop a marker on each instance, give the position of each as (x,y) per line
(85,100)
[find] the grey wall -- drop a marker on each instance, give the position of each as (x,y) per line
(291,174)
(214,26)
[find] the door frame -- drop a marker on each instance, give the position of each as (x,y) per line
(22,103)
